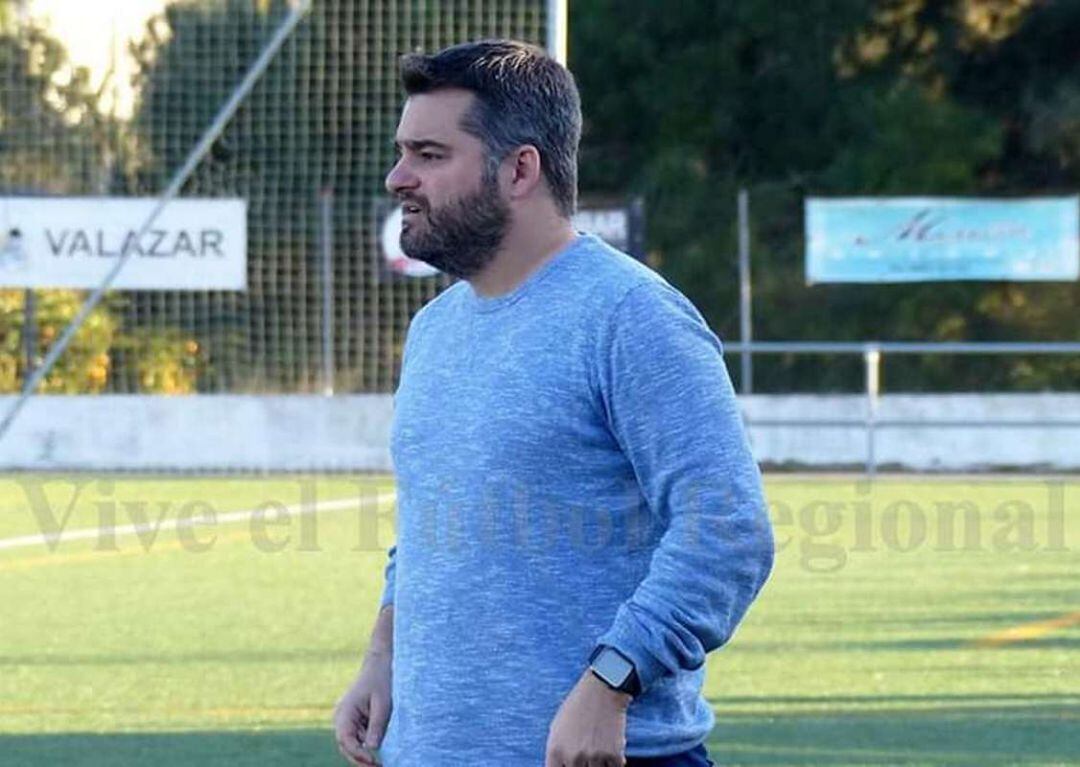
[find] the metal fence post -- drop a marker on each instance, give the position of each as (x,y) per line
(29,332)
(326,200)
(746,382)
(557,21)
(872,358)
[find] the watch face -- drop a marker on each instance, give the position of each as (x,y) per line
(613,667)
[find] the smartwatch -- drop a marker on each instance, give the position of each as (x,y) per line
(615,670)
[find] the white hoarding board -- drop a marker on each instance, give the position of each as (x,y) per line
(73,242)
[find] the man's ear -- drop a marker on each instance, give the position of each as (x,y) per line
(525,171)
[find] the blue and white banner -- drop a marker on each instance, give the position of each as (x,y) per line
(916,239)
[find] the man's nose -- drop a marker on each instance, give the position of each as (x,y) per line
(400,178)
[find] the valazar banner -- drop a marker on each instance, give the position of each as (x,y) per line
(73,242)
(910,239)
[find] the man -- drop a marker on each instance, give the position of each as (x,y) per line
(580,520)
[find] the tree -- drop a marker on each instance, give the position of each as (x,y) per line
(50,128)
(50,133)
(828,97)
(322,117)
(1013,62)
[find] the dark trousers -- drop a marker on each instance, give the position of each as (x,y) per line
(695,757)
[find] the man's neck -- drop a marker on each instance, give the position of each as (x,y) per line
(521,254)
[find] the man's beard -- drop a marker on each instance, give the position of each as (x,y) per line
(463,236)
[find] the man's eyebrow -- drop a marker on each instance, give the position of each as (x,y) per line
(417,145)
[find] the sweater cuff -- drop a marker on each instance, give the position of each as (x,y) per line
(626,635)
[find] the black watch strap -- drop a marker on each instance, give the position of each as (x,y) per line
(615,670)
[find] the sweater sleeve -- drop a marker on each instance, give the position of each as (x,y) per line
(669,403)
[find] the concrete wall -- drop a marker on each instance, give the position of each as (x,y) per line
(350,433)
(929,448)
(216,432)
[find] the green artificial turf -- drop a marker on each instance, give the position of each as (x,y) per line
(878,640)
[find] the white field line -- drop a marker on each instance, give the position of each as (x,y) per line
(64,536)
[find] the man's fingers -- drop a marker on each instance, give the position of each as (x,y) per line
(350,742)
(377,720)
(591,760)
(355,753)
(350,726)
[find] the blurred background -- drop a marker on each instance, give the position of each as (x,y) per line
(191,579)
(685,104)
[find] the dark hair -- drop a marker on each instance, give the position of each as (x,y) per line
(523,96)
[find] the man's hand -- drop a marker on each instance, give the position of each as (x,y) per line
(590,728)
(361,716)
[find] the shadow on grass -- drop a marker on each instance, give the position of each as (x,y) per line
(945,730)
(274,748)
(939,730)
(924,645)
(236,656)
(906,645)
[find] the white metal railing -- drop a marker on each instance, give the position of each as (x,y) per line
(872,352)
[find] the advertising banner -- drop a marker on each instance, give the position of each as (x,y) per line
(913,239)
(73,242)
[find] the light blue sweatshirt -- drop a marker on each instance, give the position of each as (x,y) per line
(571,470)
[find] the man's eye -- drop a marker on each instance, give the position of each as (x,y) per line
(430,155)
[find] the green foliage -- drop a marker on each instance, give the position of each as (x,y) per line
(685,103)
(907,141)
(835,97)
(164,360)
(51,137)
(321,117)
(82,369)
(49,126)
(49,122)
